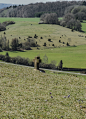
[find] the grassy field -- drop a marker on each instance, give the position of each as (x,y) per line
(29,94)
(84,26)
(71,56)
(23,29)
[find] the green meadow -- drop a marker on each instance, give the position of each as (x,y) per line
(84,26)
(29,94)
(71,56)
(25,27)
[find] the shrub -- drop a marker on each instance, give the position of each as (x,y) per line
(70,21)
(7,58)
(67,44)
(47,66)
(14,44)
(50,18)
(35,36)
(59,41)
(63,23)
(6,23)
(49,40)
(60,65)
(32,44)
(2,27)
(0,49)
(13,60)
(26,46)
(53,62)
(44,44)
(45,59)
(2,57)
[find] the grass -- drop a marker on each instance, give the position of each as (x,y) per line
(23,29)
(73,57)
(26,93)
(84,26)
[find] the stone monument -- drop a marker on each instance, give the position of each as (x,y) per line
(36,61)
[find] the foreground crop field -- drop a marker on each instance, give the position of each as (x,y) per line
(29,94)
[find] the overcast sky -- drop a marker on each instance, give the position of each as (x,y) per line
(23,1)
(29,1)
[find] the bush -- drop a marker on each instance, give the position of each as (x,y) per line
(2,57)
(59,41)
(47,66)
(2,27)
(6,23)
(45,59)
(14,44)
(49,40)
(7,58)
(44,44)
(0,49)
(35,36)
(60,65)
(63,23)
(70,21)
(26,46)
(53,62)
(67,44)
(50,18)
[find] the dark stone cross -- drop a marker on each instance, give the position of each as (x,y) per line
(36,61)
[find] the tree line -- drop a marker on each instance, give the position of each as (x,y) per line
(69,21)
(37,9)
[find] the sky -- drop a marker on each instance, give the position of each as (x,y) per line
(29,1)
(24,1)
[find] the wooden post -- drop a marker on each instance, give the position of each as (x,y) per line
(36,61)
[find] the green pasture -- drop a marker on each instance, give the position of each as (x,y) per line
(3,19)
(25,27)
(84,26)
(71,56)
(74,57)
(29,94)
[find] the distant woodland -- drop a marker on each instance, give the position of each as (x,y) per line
(37,9)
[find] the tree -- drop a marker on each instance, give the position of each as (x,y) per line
(80,16)
(14,44)
(7,58)
(50,18)
(2,27)
(76,10)
(69,21)
(68,17)
(45,59)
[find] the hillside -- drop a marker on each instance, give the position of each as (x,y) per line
(37,9)
(25,27)
(25,93)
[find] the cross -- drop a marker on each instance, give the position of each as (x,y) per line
(36,61)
